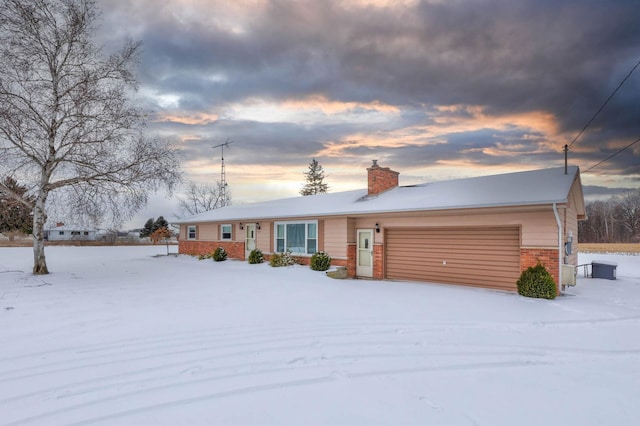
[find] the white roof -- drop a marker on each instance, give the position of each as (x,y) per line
(535,187)
(71,228)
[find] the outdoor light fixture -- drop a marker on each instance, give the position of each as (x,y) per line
(257,225)
(241,225)
(377,227)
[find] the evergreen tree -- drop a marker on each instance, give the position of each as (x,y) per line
(15,208)
(160,223)
(148,228)
(315,180)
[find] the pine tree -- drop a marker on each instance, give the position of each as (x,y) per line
(148,228)
(160,223)
(15,208)
(315,180)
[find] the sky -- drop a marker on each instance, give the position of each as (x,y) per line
(432,89)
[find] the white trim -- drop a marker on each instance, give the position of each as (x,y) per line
(222,238)
(306,235)
(560,244)
(364,271)
(195,232)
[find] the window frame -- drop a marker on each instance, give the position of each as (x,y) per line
(307,238)
(222,233)
(195,232)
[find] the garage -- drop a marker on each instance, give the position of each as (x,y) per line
(476,256)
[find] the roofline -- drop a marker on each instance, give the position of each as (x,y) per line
(372,212)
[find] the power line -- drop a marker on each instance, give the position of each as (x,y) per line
(612,155)
(604,104)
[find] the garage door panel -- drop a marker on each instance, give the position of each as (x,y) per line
(479,256)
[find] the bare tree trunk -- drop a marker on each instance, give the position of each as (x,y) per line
(39,219)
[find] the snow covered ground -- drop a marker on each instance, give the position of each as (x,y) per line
(116,336)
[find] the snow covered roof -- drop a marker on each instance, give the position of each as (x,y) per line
(528,188)
(70,228)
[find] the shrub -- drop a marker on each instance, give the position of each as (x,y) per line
(536,281)
(220,254)
(256,256)
(320,261)
(282,259)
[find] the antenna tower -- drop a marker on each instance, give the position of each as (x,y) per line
(223,176)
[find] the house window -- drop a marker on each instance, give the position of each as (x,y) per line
(86,232)
(60,232)
(296,237)
(225,232)
(75,232)
(191,232)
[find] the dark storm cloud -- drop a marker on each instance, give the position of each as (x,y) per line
(561,57)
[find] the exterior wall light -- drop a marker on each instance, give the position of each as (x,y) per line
(241,225)
(257,225)
(377,227)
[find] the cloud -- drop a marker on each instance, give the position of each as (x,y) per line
(424,86)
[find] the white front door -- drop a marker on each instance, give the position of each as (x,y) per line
(364,261)
(250,239)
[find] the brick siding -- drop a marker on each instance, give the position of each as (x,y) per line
(378,261)
(548,257)
(351,260)
(234,249)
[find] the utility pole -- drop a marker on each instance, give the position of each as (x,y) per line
(566,151)
(223,176)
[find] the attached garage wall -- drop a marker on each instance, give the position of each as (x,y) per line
(479,256)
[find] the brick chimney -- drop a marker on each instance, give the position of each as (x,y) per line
(58,224)
(381,178)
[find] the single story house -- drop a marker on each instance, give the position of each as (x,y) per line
(481,231)
(62,232)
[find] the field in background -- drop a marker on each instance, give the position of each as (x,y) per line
(608,248)
(27,242)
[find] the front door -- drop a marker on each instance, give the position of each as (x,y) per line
(250,239)
(364,261)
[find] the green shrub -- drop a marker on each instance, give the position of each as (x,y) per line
(220,254)
(536,281)
(256,256)
(282,259)
(320,261)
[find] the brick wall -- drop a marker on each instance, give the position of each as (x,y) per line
(234,249)
(378,261)
(548,257)
(351,260)
(381,178)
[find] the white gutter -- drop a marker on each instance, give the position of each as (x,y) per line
(560,260)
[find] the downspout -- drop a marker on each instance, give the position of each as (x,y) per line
(555,213)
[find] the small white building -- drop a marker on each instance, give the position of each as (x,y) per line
(62,232)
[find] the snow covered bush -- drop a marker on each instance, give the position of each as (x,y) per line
(536,281)
(282,259)
(256,256)
(220,254)
(320,261)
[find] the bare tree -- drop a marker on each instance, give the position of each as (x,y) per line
(627,213)
(67,126)
(200,198)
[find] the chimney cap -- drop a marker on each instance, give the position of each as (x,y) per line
(375,163)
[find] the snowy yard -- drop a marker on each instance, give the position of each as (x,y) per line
(117,336)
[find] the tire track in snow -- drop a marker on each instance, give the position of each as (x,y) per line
(292,348)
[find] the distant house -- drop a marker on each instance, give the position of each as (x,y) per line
(62,232)
(481,231)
